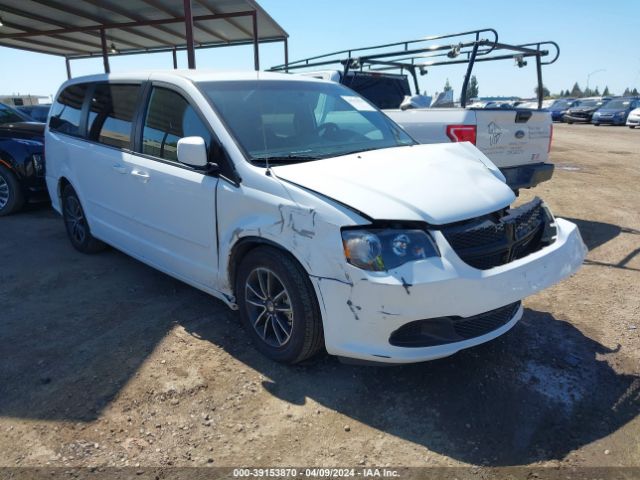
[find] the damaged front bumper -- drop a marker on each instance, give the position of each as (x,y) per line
(362,314)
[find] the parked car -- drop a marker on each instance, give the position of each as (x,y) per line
(37,113)
(633,120)
(301,204)
(22,166)
(616,111)
(584,110)
(560,106)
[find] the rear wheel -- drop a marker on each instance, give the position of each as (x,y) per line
(632,126)
(76,223)
(278,306)
(11,196)
(597,124)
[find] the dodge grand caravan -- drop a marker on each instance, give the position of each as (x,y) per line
(297,202)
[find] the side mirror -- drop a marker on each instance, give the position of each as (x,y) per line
(192,151)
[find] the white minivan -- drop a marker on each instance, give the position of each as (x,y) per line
(297,202)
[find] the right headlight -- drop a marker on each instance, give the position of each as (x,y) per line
(383,249)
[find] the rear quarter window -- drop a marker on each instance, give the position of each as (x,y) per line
(67,110)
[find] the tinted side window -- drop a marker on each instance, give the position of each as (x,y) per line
(67,109)
(170,118)
(111,114)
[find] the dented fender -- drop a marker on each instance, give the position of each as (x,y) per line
(287,216)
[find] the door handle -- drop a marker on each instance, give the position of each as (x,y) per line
(119,168)
(143,176)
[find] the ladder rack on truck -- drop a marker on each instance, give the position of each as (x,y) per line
(417,56)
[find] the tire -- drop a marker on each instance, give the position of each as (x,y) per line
(596,124)
(76,224)
(570,123)
(11,194)
(632,126)
(273,312)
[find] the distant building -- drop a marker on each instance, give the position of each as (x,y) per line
(20,100)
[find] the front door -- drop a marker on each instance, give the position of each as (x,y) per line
(173,206)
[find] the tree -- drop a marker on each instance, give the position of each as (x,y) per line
(587,92)
(627,92)
(447,86)
(472,88)
(606,93)
(596,92)
(575,91)
(634,92)
(545,91)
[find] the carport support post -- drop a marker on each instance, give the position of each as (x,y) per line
(188,25)
(175,59)
(256,54)
(105,54)
(68,64)
(286,54)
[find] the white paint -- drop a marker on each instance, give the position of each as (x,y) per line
(186,223)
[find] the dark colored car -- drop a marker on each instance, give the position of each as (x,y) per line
(584,110)
(37,113)
(21,160)
(616,111)
(560,107)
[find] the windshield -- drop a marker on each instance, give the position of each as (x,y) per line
(383,91)
(291,121)
(9,115)
(618,104)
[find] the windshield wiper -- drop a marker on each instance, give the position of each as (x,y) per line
(284,159)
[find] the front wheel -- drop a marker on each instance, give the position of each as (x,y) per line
(278,306)
(76,223)
(632,126)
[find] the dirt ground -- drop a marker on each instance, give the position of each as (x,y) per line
(106,362)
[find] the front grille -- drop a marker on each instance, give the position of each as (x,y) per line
(442,330)
(501,237)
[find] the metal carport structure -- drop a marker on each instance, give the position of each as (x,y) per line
(104,28)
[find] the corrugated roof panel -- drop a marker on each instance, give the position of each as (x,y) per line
(52,26)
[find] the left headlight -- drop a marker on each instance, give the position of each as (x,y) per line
(383,249)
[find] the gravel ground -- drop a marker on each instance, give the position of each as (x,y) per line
(106,362)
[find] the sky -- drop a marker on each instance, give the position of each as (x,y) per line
(595,37)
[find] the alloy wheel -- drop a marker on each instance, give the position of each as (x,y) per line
(4,192)
(76,222)
(269,307)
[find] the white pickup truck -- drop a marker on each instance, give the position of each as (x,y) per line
(517,141)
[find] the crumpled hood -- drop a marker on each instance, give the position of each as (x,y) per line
(22,130)
(582,109)
(438,183)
